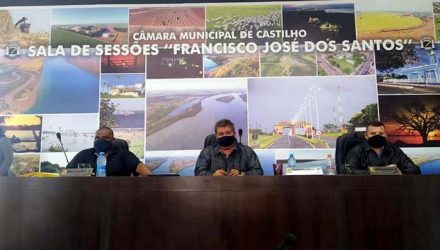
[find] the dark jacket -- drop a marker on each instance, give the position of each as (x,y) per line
(242,158)
(362,156)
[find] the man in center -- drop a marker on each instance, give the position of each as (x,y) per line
(227,157)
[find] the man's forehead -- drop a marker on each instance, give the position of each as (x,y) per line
(103,133)
(375,128)
(225,128)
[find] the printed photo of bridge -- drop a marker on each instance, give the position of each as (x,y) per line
(414,70)
(394,19)
(162,20)
(308,112)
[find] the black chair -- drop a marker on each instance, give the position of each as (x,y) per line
(210,140)
(121,143)
(344,143)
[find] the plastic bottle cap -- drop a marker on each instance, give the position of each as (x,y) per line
(291,155)
(101,153)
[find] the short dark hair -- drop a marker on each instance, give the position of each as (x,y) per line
(375,124)
(224,123)
(106,128)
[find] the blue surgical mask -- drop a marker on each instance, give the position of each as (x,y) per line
(102,145)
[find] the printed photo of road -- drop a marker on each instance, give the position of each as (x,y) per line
(24,27)
(308,112)
(158,21)
(180,114)
(237,65)
(246,17)
(24,132)
(75,135)
(394,19)
(323,21)
(122,86)
(89,26)
(288,64)
(168,65)
(346,63)
(33,85)
(135,139)
(411,120)
(413,70)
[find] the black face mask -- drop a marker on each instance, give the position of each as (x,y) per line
(102,145)
(377,141)
(226,141)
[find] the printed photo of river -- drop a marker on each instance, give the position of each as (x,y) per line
(183,162)
(75,135)
(427,159)
(65,85)
(181,114)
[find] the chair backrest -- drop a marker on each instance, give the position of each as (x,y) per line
(210,140)
(121,143)
(344,143)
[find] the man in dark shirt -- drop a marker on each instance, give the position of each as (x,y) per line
(376,151)
(227,157)
(120,162)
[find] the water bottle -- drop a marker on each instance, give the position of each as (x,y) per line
(100,165)
(291,162)
(330,167)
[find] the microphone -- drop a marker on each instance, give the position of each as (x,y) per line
(62,147)
(287,242)
(240,133)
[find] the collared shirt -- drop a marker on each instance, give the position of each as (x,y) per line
(362,156)
(242,158)
(120,162)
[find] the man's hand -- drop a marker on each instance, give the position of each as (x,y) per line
(234,172)
(398,170)
(220,172)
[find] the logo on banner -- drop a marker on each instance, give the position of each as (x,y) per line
(12,50)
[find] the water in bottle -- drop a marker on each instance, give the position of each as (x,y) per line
(291,162)
(100,165)
(330,166)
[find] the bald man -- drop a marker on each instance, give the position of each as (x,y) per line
(120,162)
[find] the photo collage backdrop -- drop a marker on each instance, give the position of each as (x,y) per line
(165,105)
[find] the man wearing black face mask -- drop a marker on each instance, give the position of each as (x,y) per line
(120,162)
(227,157)
(376,151)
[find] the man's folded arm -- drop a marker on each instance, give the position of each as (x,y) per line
(254,167)
(202,165)
(353,163)
(406,165)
